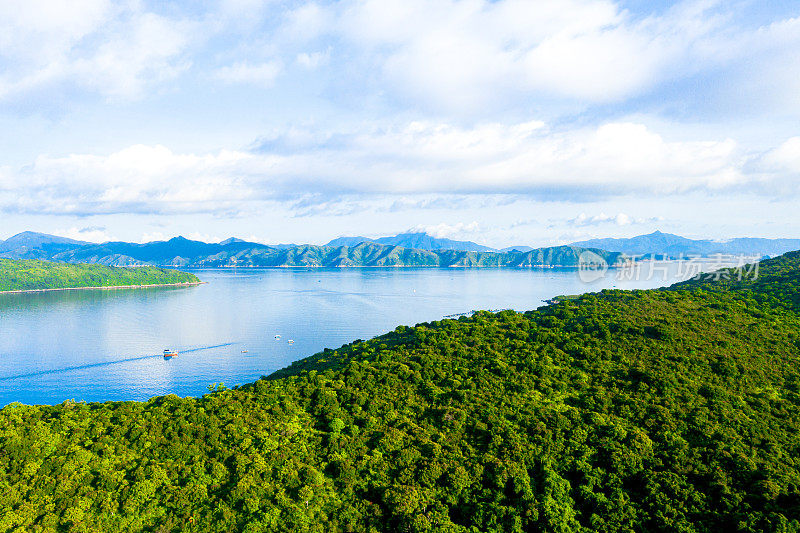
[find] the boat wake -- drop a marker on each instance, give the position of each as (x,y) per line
(105,363)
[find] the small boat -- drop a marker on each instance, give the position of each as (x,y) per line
(169,354)
(277,336)
(244,351)
(290,341)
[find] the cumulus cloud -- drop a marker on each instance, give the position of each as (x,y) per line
(418,158)
(461,54)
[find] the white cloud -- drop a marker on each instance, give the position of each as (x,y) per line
(204,237)
(786,157)
(90,234)
(116,49)
(136,179)
(467,56)
(461,54)
(305,23)
(152,237)
(313,60)
(263,74)
(418,158)
(447,231)
(620,219)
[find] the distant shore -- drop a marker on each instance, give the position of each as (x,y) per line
(572,267)
(108,288)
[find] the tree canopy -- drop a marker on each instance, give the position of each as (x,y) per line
(16,275)
(661,410)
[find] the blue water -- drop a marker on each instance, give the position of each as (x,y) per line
(107,345)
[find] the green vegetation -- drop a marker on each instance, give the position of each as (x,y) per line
(379,255)
(35,275)
(773,281)
(180,252)
(663,410)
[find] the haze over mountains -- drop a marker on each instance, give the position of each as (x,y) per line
(676,246)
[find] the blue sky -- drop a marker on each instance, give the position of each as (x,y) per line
(504,122)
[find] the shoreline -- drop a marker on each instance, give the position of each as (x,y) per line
(571,267)
(107,288)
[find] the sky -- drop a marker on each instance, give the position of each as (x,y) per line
(504,122)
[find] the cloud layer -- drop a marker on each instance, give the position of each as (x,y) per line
(418,158)
(456,55)
(229,108)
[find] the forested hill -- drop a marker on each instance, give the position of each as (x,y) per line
(180,253)
(772,279)
(662,410)
(38,275)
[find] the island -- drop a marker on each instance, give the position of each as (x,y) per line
(36,276)
(672,409)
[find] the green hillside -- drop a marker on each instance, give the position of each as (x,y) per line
(378,255)
(774,281)
(663,410)
(33,275)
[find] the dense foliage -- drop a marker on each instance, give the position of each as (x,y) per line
(773,281)
(663,410)
(35,275)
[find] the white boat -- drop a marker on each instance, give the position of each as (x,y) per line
(277,336)
(290,341)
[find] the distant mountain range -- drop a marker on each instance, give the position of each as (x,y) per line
(405,249)
(31,245)
(418,241)
(657,244)
(675,246)
(181,252)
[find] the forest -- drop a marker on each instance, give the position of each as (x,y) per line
(664,410)
(22,275)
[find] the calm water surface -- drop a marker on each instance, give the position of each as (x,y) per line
(106,345)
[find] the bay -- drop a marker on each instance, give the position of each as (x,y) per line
(107,345)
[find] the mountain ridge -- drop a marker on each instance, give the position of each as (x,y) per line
(675,246)
(182,252)
(349,251)
(416,240)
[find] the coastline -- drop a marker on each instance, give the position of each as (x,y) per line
(573,267)
(107,288)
